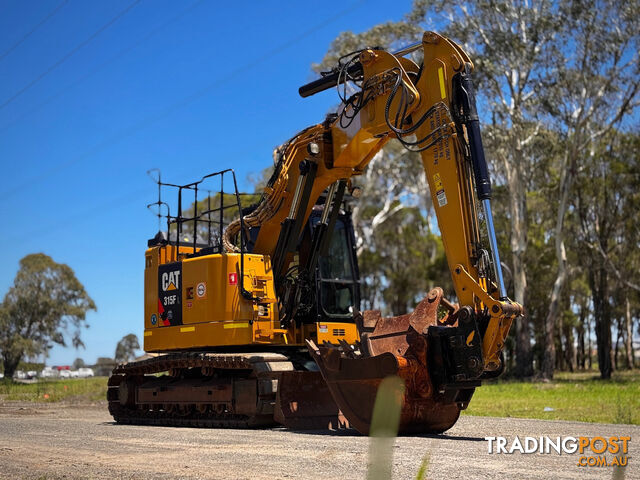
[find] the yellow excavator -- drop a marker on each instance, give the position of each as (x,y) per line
(253,319)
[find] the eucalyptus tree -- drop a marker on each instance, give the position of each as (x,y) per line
(126,348)
(607,200)
(46,305)
(591,87)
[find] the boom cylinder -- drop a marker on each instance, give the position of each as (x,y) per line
(465,98)
(465,109)
(493,242)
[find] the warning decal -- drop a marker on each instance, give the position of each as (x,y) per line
(437,182)
(170,294)
(439,189)
(442,198)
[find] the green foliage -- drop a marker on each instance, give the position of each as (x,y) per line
(605,232)
(208,219)
(45,305)
(29,366)
(126,348)
(403,261)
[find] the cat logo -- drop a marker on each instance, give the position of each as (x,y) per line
(170,294)
(170,281)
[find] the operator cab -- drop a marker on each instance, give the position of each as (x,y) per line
(337,276)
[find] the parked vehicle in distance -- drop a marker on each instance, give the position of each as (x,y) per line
(85,372)
(64,374)
(49,372)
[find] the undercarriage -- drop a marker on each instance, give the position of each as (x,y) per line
(437,355)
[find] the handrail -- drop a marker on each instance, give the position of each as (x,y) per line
(204,217)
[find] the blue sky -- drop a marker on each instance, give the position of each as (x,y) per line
(188,87)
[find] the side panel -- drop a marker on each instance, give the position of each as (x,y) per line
(196,303)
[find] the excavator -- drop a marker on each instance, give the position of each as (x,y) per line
(252,313)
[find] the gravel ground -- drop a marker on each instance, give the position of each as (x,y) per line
(70,441)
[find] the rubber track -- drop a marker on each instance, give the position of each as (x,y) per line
(256,365)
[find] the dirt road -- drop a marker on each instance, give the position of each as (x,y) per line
(64,441)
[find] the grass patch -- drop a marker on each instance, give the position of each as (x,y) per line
(579,397)
(44,391)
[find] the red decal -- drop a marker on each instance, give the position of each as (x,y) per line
(233,279)
(163,319)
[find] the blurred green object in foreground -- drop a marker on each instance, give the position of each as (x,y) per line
(384,427)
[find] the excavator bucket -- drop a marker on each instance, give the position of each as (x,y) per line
(395,346)
(304,402)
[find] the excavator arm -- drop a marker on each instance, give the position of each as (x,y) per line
(430,109)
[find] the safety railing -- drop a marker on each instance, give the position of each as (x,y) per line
(204,223)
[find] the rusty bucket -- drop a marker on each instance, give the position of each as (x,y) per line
(304,402)
(392,346)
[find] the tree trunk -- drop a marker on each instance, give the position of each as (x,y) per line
(566,181)
(518,211)
(549,354)
(590,347)
(569,351)
(510,356)
(581,355)
(560,345)
(603,331)
(617,347)
(10,364)
(601,311)
(558,362)
(524,358)
(628,343)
